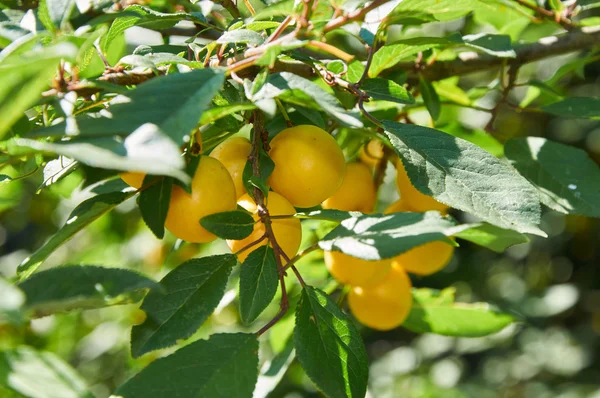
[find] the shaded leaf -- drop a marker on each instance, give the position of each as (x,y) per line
(266,167)
(224,366)
(464,176)
(493,237)
(566,178)
(82,287)
(329,347)
(387,90)
(191,293)
(235,224)
(241,36)
(431,98)
(258,283)
(84,214)
(436,312)
(577,107)
(154,203)
(375,237)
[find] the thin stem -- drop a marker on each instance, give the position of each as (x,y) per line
(328,48)
(280,29)
(302,283)
(251,244)
(285,115)
(250,8)
(298,256)
(549,15)
(356,15)
(231,7)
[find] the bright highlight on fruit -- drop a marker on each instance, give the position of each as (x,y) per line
(357,192)
(287,231)
(415,199)
(309,165)
(212,192)
(133,178)
(354,271)
(233,154)
(385,305)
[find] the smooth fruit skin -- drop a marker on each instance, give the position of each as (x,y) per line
(357,192)
(212,192)
(354,271)
(309,165)
(415,199)
(287,231)
(371,153)
(233,153)
(383,306)
(425,259)
(133,178)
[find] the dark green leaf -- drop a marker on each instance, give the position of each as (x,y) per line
(329,215)
(241,36)
(40,375)
(329,347)
(82,287)
(212,114)
(436,312)
(192,291)
(258,283)
(496,45)
(387,90)
(273,371)
(566,178)
(224,366)
(374,237)
(466,177)
(24,78)
(84,214)
(493,237)
(5,178)
(578,107)
(431,98)
(266,166)
(154,203)
(235,224)
(174,103)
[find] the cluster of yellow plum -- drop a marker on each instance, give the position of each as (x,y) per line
(380,295)
(310,169)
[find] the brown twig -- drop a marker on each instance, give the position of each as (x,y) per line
(251,244)
(356,15)
(512,78)
(328,48)
(549,15)
(231,7)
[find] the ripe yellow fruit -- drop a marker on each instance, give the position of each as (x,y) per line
(287,231)
(415,199)
(354,271)
(233,153)
(371,153)
(357,193)
(309,165)
(425,259)
(212,192)
(383,306)
(133,178)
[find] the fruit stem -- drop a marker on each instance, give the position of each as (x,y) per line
(249,245)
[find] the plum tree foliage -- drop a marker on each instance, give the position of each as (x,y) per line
(294,109)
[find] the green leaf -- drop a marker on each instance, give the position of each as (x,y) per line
(577,107)
(241,36)
(493,237)
(136,15)
(442,10)
(11,303)
(216,113)
(235,224)
(436,312)
(329,215)
(566,178)
(24,78)
(466,177)
(431,99)
(84,214)
(496,45)
(57,169)
(59,11)
(146,150)
(174,103)
(154,203)
(375,237)
(478,137)
(390,55)
(5,178)
(66,288)
(266,167)
(192,291)
(36,374)
(329,347)
(273,371)
(224,366)
(258,283)
(286,82)
(387,90)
